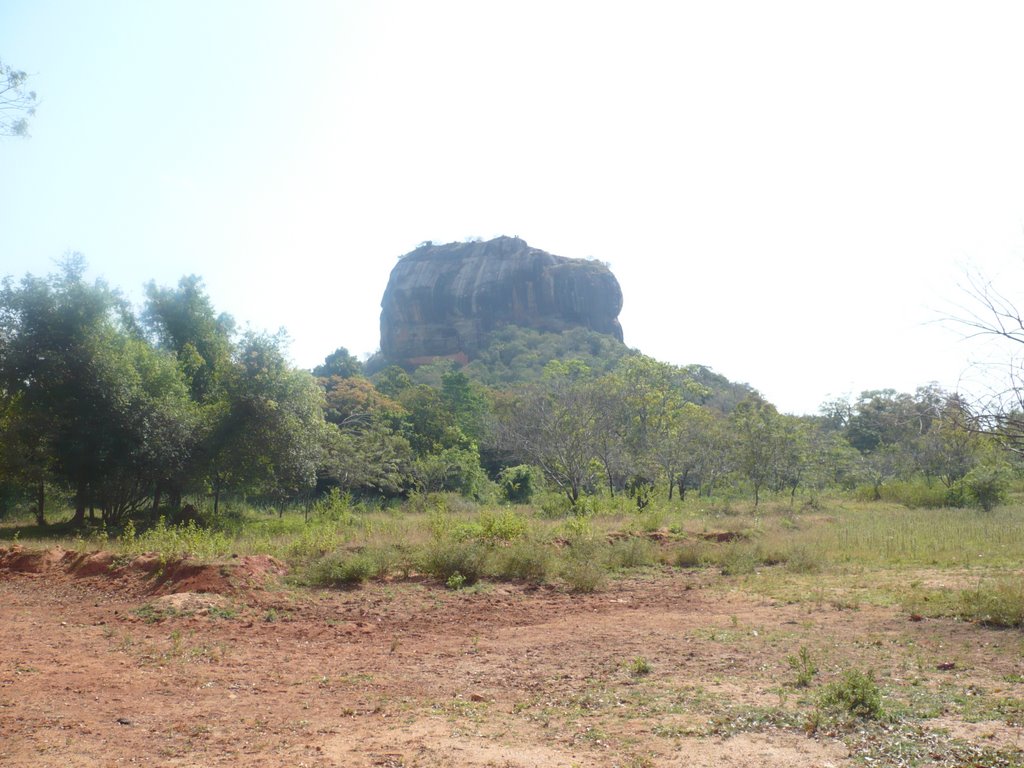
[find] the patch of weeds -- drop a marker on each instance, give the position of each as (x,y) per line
(855,693)
(341,569)
(270,616)
(750,720)
(631,552)
(689,555)
(998,603)
(639,667)
(902,744)
(456,581)
(445,557)
(583,576)
(222,612)
(803,560)
(527,561)
(738,560)
(151,614)
(804,667)
(592,735)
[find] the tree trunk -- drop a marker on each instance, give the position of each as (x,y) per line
(671,485)
(155,512)
(41,504)
(79,519)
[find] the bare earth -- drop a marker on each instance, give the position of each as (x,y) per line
(105,663)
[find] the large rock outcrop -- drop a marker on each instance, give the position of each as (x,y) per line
(443,300)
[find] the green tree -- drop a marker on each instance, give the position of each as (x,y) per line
(370,461)
(184,321)
(553,425)
(97,408)
(467,401)
(271,435)
(757,426)
(339,363)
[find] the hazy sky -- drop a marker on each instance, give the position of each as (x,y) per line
(787,192)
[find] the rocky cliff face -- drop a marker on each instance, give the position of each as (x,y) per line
(442,300)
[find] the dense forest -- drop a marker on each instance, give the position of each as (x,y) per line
(124,413)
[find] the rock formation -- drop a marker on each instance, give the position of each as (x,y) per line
(443,300)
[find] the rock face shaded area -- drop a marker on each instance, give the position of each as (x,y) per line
(443,300)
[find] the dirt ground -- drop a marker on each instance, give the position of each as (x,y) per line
(109,663)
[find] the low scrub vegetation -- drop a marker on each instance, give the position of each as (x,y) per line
(804,553)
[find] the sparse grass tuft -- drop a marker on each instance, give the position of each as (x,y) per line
(804,667)
(995,603)
(639,667)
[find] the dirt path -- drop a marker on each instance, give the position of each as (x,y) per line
(98,671)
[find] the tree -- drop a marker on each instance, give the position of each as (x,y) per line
(17,104)
(1000,411)
(271,435)
(554,425)
(373,460)
(93,406)
(757,426)
(184,321)
(339,363)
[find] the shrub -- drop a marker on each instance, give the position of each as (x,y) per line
(632,552)
(340,569)
(996,603)
(583,567)
(640,667)
(689,555)
(855,693)
(986,486)
(445,557)
(583,575)
(804,667)
(523,561)
(335,507)
(506,526)
(517,484)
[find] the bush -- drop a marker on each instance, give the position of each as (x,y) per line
(689,555)
(445,557)
(997,604)
(632,552)
(523,561)
(855,693)
(506,526)
(583,575)
(986,486)
(517,484)
(341,569)
(334,507)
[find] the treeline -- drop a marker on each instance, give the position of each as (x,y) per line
(129,412)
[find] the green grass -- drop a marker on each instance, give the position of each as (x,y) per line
(837,549)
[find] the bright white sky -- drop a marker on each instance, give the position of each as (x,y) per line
(788,192)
